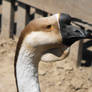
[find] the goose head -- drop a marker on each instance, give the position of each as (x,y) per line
(69,34)
(55,31)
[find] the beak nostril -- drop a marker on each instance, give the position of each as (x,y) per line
(77,31)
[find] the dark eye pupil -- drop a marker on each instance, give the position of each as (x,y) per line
(49,26)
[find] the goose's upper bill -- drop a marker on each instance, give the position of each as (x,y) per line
(71,33)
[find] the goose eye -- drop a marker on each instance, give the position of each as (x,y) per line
(48,26)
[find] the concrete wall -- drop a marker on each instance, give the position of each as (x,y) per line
(6,8)
(77,8)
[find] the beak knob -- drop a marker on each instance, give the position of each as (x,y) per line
(65,18)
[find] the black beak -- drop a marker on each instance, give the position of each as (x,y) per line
(70,33)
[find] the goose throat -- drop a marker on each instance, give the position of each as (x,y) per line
(27,72)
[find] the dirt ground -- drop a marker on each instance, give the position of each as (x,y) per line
(62,76)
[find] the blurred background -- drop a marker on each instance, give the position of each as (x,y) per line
(74,74)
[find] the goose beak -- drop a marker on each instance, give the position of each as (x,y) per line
(70,33)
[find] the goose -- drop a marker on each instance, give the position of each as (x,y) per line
(39,36)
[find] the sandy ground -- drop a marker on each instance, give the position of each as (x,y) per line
(62,76)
